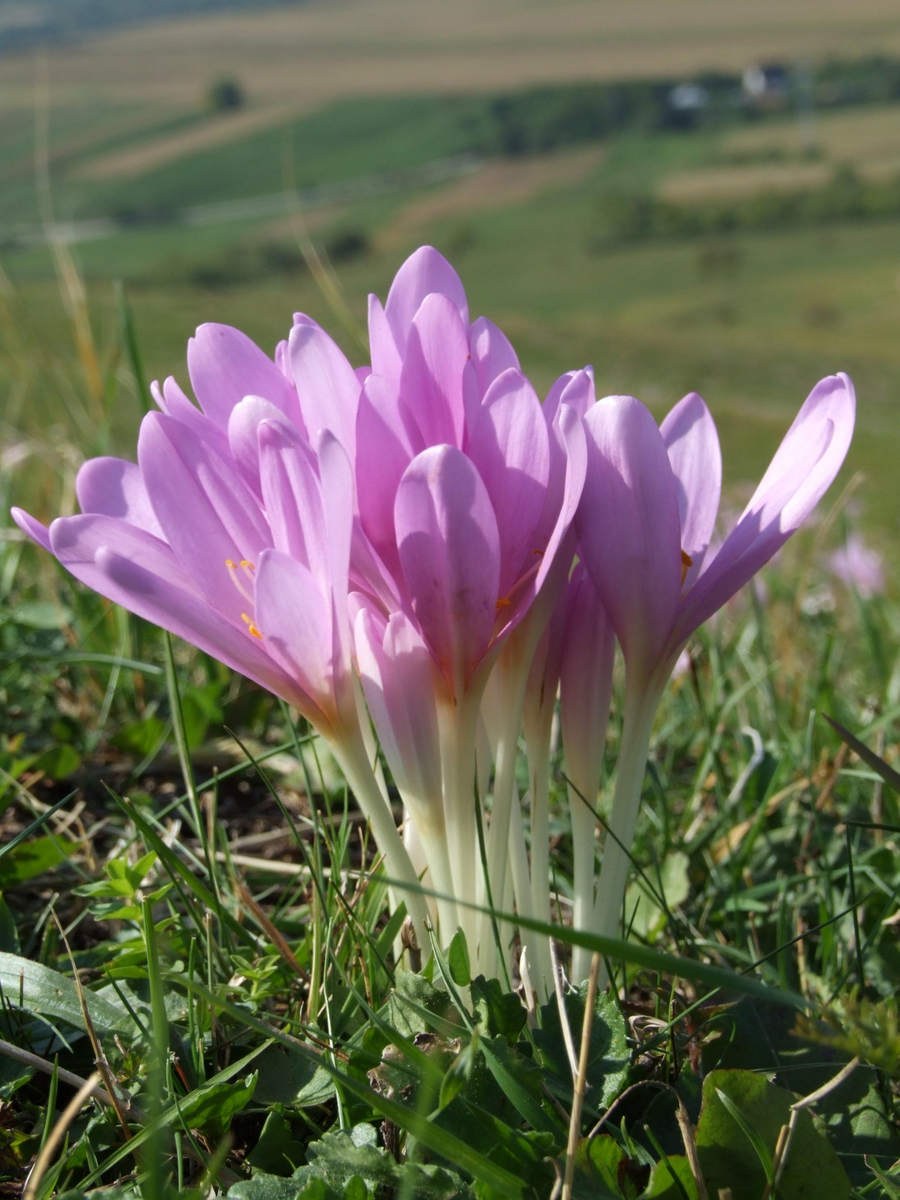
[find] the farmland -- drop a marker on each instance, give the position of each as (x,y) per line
(348,96)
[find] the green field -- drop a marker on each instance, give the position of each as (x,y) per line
(749,318)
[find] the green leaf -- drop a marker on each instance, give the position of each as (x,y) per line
(59,762)
(458,960)
(608,1060)
(501,1013)
(647,918)
(458,1074)
(729,1158)
(140,738)
(286,1078)
(750,1133)
(600,1160)
(663,1185)
(213,1110)
(38,989)
(276,1152)
(33,858)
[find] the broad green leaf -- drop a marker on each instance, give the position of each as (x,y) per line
(59,762)
(609,1057)
(276,1152)
(213,1109)
(458,960)
(30,859)
(502,1014)
(600,1162)
(39,990)
(730,1160)
(646,916)
(663,1185)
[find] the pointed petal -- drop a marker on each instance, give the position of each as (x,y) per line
(425,272)
(386,360)
(79,539)
(628,528)
(338,502)
(147,580)
(293,614)
(450,554)
(326,385)
(243,436)
(388,452)
(491,352)
(575,389)
(225,366)
(431,382)
(292,495)
(32,527)
(115,487)
(689,433)
(397,674)
(206,511)
(510,448)
(803,468)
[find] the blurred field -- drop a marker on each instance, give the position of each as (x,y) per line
(321,51)
(750,319)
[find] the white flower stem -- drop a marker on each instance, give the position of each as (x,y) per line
(458,723)
(353,760)
(640,710)
(584,843)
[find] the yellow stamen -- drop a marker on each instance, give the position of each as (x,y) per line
(251,628)
(503,602)
(247,567)
(686,563)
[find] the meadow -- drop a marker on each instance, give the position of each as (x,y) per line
(189,900)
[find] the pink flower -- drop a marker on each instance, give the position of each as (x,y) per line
(857,565)
(645,523)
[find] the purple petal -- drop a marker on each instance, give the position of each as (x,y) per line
(243,436)
(115,487)
(628,527)
(491,352)
(425,272)
(206,511)
(292,496)
(509,446)
(225,366)
(79,539)
(386,453)
(804,466)
(338,502)
(32,527)
(386,360)
(689,433)
(431,382)
(326,385)
(575,389)
(450,554)
(293,614)
(397,674)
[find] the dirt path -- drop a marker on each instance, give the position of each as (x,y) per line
(137,160)
(496,184)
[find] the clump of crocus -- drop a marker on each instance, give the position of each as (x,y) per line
(421,544)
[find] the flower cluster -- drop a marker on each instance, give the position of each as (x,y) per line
(423,547)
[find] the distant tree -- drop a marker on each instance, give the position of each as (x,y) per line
(225,95)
